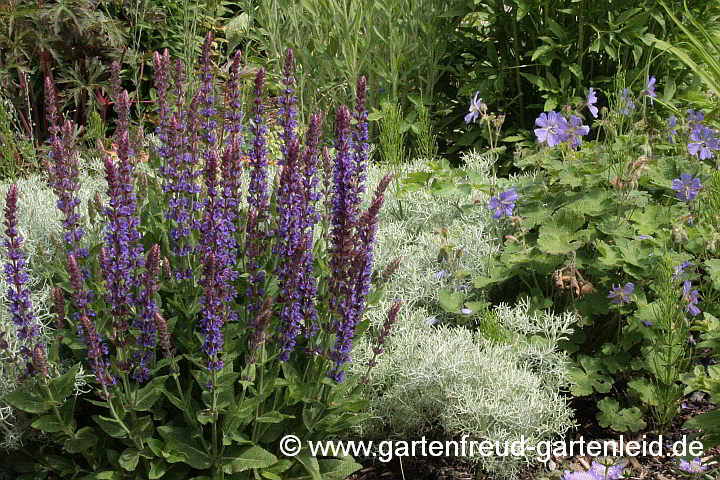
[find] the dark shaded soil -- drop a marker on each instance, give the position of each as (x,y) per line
(639,467)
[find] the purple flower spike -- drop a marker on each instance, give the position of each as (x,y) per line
(64,167)
(504,204)
(97,351)
(287,112)
(690,297)
(621,295)
(214,315)
(19,294)
(145,321)
(704,142)
(575,131)
(477,108)
(686,187)
(258,201)
(591,101)
(553,128)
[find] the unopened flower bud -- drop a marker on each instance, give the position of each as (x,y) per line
(678,234)
(39,362)
(166,267)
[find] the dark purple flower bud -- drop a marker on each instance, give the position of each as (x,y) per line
(115,81)
(162,85)
(388,271)
(387,325)
(163,335)
(287,111)
(58,299)
(360,138)
(97,351)
(259,333)
(39,361)
(51,108)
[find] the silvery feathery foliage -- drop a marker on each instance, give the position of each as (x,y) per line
(40,223)
(451,379)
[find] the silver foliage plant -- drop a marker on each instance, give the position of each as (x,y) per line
(39,221)
(449,382)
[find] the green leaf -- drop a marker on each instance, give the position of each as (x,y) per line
(451,301)
(157,469)
(48,423)
(537,81)
(129,459)
(645,390)
(273,417)
(310,464)
(64,385)
(84,440)
(706,421)
(670,88)
(239,458)
(108,475)
(374,116)
(588,378)
(338,469)
(539,52)
(29,399)
(110,426)
(621,420)
(560,235)
(181,441)
(149,394)
(713,269)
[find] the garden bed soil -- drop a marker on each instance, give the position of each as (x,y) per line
(641,468)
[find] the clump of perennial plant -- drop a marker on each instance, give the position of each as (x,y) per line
(224,314)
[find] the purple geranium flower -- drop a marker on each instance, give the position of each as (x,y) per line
(621,294)
(553,128)
(695,116)
(589,475)
(504,204)
(686,187)
(693,466)
(650,91)
(672,128)
(704,142)
(609,472)
(627,104)
(576,130)
(680,269)
(691,298)
(476,108)
(591,101)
